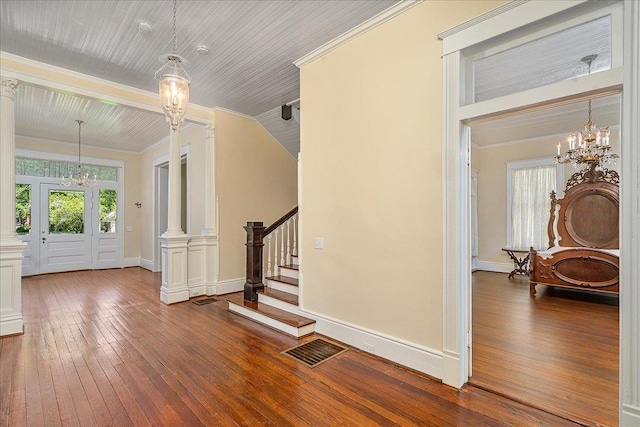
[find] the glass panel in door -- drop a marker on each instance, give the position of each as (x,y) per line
(65,234)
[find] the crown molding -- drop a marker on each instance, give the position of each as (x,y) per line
(37,73)
(485,16)
(235,113)
(371,23)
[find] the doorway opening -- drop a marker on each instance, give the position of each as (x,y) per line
(546,351)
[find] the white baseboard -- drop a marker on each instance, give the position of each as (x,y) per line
(130,262)
(498,267)
(146,264)
(414,356)
(11,325)
(226,286)
(630,416)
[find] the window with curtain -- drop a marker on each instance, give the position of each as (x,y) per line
(529,186)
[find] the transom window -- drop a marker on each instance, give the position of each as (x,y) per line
(59,168)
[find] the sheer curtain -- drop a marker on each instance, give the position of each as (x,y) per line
(530,206)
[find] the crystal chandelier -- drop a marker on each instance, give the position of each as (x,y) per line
(80,177)
(591,146)
(174,82)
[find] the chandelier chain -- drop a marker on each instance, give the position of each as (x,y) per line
(80,122)
(175,32)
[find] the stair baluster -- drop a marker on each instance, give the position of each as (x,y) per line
(288,226)
(275,254)
(269,255)
(282,245)
(295,237)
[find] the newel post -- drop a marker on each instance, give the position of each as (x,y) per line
(254,260)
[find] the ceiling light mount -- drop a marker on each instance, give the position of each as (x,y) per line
(144,27)
(203,50)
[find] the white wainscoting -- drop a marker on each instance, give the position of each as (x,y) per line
(197,266)
(414,356)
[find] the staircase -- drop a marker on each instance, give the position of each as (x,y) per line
(276,303)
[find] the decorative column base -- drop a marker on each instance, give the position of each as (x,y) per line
(196,259)
(174,269)
(211,264)
(11,322)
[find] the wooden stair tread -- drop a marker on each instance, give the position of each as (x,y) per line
(280,295)
(290,266)
(284,279)
(272,312)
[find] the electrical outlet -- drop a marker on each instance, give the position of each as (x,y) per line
(369,348)
(319,243)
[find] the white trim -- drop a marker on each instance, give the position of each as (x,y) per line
(131,262)
(369,24)
(164,159)
(499,22)
(566,90)
(165,139)
(497,267)
(84,81)
(629,224)
(74,144)
(414,356)
(630,416)
(147,265)
(229,286)
(235,113)
(481,18)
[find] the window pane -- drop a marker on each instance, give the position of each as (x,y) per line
(58,169)
(66,212)
(530,204)
(543,61)
(23,209)
(108,208)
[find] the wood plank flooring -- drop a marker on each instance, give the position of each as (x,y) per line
(558,351)
(100,349)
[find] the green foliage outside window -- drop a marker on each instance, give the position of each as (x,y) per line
(23,208)
(108,205)
(66,212)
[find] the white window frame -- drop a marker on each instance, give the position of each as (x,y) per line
(515,165)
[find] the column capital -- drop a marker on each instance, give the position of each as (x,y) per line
(8,87)
(209,131)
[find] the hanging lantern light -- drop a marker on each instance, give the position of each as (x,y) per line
(173,82)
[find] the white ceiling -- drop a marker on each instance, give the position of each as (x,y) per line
(253,44)
(556,121)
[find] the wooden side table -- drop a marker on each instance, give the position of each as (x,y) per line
(520,264)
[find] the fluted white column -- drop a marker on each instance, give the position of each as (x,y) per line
(210,182)
(11,247)
(175,191)
(174,241)
(210,230)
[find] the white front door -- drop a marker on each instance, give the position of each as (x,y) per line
(65,229)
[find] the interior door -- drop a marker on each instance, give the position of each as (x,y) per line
(65,228)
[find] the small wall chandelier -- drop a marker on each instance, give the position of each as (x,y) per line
(80,177)
(174,82)
(591,147)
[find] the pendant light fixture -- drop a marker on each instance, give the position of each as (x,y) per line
(591,146)
(80,177)
(174,82)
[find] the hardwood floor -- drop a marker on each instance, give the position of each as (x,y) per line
(100,349)
(558,351)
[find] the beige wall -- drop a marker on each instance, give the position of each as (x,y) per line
(372,178)
(132,215)
(256,181)
(491,165)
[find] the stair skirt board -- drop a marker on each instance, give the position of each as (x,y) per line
(282,287)
(275,324)
(314,352)
(289,272)
(274,302)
